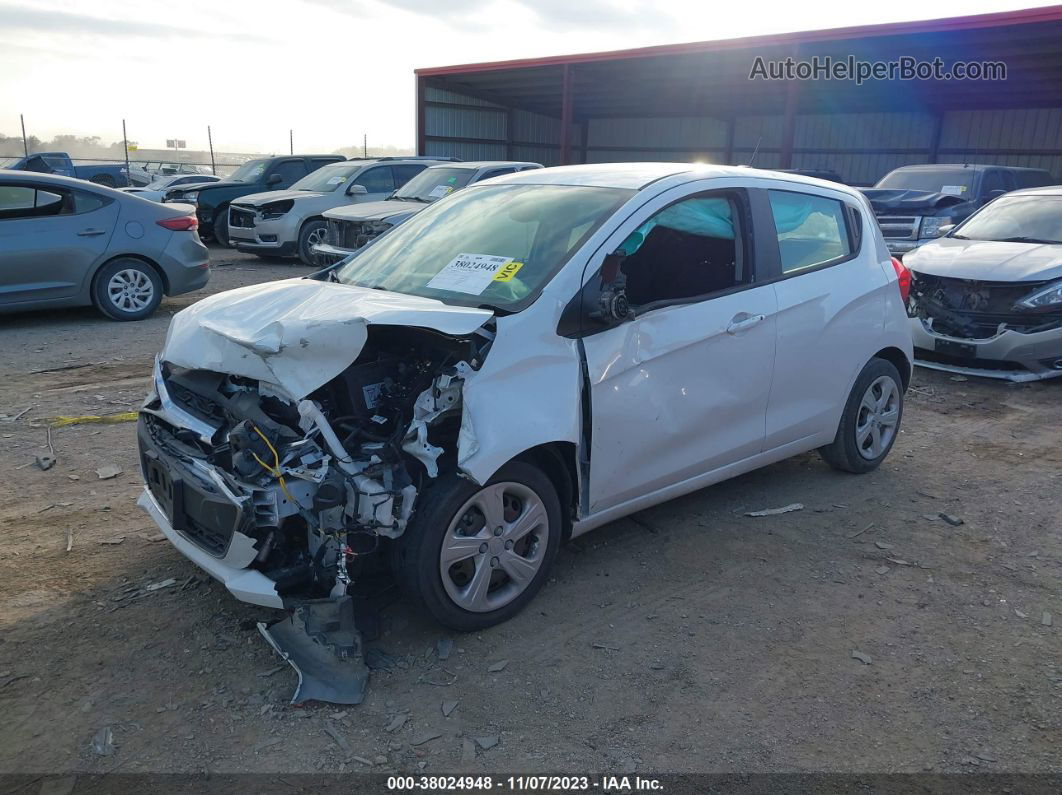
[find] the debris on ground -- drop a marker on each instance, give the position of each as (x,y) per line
(397,722)
(103,742)
(425,737)
(156,586)
(954,521)
(267,744)
(337,737)
(882,545)
(108,471)
(498,667)
(863,658)
(603,646)
(69,539)
(796,506)
(444,648)
(1045,619)
(468,750)
(44,462)
(271,671)
(487,742)
(882,570)
(113,541)
(104,419)
(448,707)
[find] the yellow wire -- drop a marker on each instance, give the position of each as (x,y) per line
(272,470)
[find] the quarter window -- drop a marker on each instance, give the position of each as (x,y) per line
(811,230)
(691,248)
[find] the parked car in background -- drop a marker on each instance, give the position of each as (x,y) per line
(524,361)
(350,228)
(913,203)
(140,174)
(111,175)
(986,298)
(212,199)
(154,191)
(65,242)
(289,223)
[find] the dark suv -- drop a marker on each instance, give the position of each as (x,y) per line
(212,199)
(914,204)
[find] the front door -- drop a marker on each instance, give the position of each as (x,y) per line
(682,388)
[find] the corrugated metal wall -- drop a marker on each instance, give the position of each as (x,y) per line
(860,147)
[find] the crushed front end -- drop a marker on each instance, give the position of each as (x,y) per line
(286,501)
(983,328)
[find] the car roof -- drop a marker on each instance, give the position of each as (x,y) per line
(1045,190)
(52,179)
(970,166)
(477,164)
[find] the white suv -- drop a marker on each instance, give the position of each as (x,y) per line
(289,223)
(525,361)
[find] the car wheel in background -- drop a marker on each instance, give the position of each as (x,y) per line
(474,556)
(313,233)
(127,289)
(870,422)
(221,228)
(106,180)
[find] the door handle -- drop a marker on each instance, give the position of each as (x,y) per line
(91,232)
(740,323)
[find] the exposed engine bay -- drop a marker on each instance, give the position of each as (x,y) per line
(306,491)
(976,310)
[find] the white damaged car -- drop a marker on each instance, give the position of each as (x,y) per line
(528,360)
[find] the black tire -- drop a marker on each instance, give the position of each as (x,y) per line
(106,180)
(137,272)
(416,556)
(847,453)
(309,231)
(221,228)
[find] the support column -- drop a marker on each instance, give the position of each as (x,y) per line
(421,109)
(934,138)
(566,116)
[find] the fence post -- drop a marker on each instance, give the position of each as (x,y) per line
(125,146)
(291,142)
(25,145)
(210,143)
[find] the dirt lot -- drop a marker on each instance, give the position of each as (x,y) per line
(687,638)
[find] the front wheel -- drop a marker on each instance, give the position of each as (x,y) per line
(870,422)
(221,228)
(313,233)
(474,556)
(127,289)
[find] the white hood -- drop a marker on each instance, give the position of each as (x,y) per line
(299,334)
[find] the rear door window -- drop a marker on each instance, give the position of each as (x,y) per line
(811,230)
(290,172)
(23,201)
(377,180)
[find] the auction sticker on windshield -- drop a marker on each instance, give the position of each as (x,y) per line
(473,273)
(440,190)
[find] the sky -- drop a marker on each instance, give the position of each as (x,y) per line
(331,70)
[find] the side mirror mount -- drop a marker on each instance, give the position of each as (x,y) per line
(601,303)
(274,179)
(357,190)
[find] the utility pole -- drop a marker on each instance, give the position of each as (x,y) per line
(210,143)
(125,146)
(291,142)
(25,145)
(364,144)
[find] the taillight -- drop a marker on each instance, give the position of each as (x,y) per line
(903,278)
(182,223)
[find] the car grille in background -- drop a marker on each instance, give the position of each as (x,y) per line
(975,309)
(899,227)
(350,234)
(241,218)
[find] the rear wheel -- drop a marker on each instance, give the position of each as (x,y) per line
(870,422)
(313,233)
(221,228)
(474,556)
(127,289)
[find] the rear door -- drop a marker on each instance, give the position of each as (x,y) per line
(831,308)
(50,238)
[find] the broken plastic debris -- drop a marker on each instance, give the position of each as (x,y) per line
(498,666)
(954,521)
(160,585)
(45,462)
(108,471)
(863,658)
(102,419)
(796,506)
(103,742)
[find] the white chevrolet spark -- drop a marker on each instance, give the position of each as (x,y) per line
(520,363)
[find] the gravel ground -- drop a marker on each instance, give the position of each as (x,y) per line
(863,633)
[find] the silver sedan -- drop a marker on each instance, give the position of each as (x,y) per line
(67,242)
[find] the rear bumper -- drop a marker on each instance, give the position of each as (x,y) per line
(186,263)
(1009,355)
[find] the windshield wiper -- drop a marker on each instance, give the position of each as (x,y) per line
(1021,239)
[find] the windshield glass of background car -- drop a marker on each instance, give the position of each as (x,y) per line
(434,183)
(954,181)
(249,171)
(1035,218)
(536,227)
(7,162)
(328,178)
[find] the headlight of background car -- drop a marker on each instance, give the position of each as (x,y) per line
(1049,297)
(276,209)
(931,226)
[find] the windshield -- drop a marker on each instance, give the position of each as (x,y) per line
(328,178)
(7,162)
(496,245)
(434,183)
(249,171)
(1022,219)
(160,183)
(952,181)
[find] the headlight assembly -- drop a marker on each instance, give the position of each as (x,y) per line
(931,226)
(1047,298)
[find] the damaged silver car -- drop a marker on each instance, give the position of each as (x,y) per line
(527,360)
(986,299)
